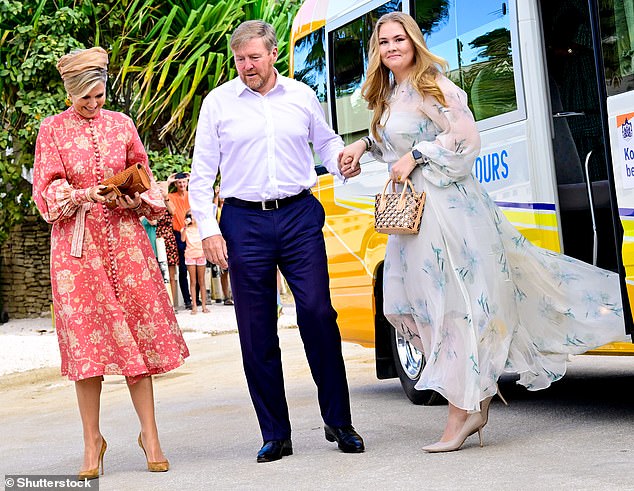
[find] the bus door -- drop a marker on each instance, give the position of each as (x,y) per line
(581,152)
(613,20)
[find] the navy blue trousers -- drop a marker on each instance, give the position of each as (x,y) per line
(291,238)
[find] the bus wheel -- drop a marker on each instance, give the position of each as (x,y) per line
(409,364)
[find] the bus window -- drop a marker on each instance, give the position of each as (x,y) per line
(310,62)
(310,68)
(349,44)
(617,42)
(475,39)
(349,50)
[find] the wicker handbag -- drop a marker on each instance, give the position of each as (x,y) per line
(133,179)
(398,213)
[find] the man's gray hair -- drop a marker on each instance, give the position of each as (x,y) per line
(252,29)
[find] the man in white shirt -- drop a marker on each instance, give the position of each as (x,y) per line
(255,130)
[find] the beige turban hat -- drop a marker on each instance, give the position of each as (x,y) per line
(77,62)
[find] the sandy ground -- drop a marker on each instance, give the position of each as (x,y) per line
(29,344)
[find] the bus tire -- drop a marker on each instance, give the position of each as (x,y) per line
(409,364)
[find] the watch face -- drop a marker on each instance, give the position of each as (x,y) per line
(417,155)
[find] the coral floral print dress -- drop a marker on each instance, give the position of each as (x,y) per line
(112,310)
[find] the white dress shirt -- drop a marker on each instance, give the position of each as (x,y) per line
(260,143)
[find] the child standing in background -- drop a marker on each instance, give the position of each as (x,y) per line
(224,274)
(194,260)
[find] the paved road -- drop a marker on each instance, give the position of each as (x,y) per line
(576,435)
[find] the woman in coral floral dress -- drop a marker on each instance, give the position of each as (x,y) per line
(112,311)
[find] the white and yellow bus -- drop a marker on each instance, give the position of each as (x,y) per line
(551,84)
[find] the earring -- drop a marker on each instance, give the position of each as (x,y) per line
(68,101)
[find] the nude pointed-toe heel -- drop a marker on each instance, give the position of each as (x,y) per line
(162,466)
(94,473)
(473,424)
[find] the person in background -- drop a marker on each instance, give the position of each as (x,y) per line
(150,230)
(226,289)
(195,260)
(180,203)
(255,130)
(164,229)
(468,290)
(224,274)
(280,307)
(112,312)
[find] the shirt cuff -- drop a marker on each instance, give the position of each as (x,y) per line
(337,173)
(208,227)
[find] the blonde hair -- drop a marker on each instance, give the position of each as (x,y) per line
(377,86)
(82,83)
(253,29)
(82,69)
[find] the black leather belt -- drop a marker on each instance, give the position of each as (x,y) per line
(273,204)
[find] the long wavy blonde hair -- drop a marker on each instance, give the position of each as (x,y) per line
(377,86)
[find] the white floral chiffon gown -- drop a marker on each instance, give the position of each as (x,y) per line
(469,290)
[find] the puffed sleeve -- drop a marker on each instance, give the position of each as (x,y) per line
(455,148)
(55,198)
(152,204)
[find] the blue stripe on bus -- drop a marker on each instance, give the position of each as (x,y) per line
(528,206)
(626,212)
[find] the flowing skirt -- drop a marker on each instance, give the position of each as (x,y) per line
(478,299)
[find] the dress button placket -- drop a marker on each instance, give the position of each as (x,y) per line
(109,230)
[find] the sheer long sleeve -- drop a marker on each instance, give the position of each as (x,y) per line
(453,151)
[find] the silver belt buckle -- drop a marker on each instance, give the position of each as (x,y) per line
(273,205)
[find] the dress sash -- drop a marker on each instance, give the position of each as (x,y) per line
(79,230)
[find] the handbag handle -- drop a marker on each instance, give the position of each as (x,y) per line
(401,202)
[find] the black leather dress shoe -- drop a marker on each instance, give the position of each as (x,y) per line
(349,441)
(275,450)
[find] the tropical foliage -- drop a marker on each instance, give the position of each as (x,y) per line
(165,56)
(172,53)
(32,38)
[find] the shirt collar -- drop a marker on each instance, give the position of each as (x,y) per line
(241,87)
